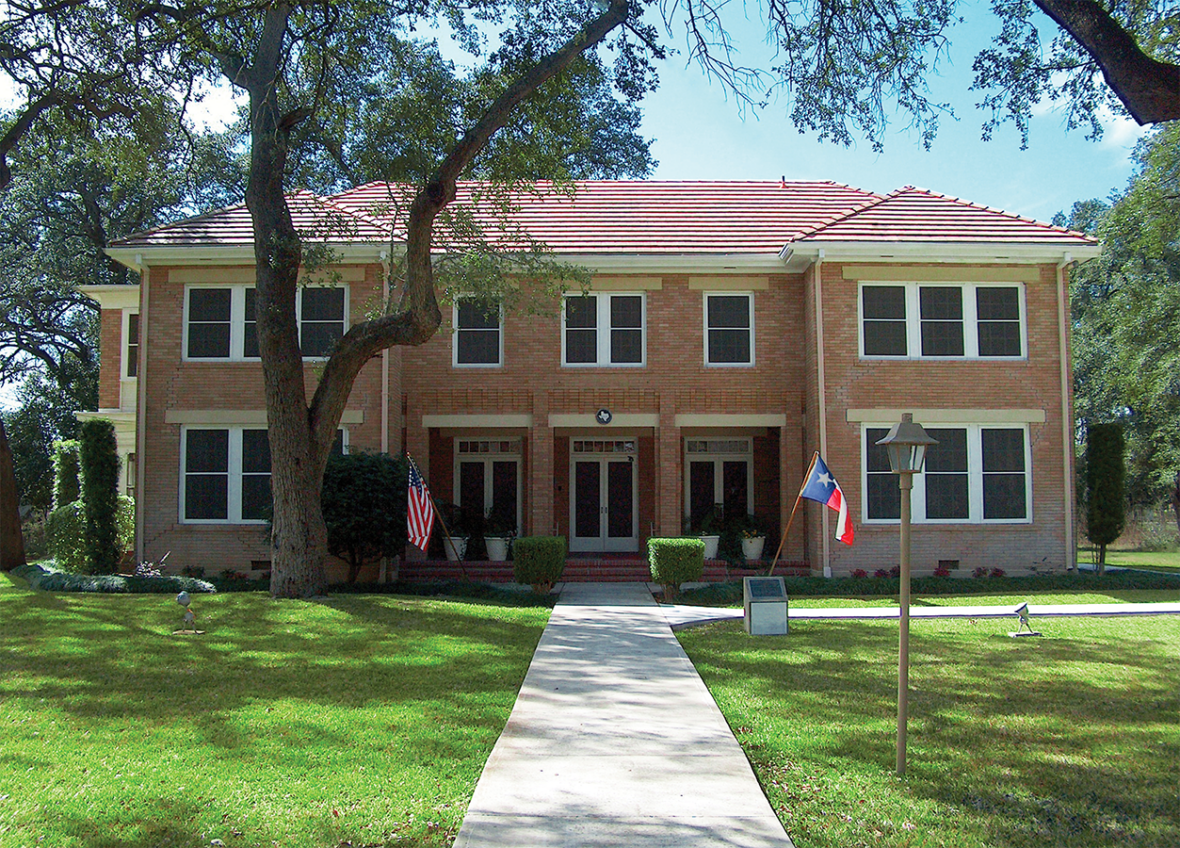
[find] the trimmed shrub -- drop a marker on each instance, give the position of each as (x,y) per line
(538,561)
(99,459)
(65,531)
(364,505)
(675,561)
(67,487)
(1106,499)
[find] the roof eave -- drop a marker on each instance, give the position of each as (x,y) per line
(798,255)
(137,257)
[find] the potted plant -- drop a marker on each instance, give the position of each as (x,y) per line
(710,529)
(454,536)
(499,531)
(753,533)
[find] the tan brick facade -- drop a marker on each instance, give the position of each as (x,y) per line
(429,405)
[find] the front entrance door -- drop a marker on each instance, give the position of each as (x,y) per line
(603,509)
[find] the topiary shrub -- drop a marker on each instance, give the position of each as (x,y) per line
(675,561)
(1106,508)
(539,561)
(99,459)
(66,483)
(65,530)
(364,506)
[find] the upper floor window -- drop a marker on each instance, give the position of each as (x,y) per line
(220,321)
(604,329)
(969,321)
(729,329)
(131,346)
(974,474)
(479,336)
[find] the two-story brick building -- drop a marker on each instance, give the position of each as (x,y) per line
(730,329)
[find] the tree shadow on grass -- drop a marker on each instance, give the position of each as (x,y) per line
(1054,741)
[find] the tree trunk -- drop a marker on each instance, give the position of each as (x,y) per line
(12,543)
(1176,500)
(1101,558)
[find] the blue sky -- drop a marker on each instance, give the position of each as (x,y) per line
(700,134)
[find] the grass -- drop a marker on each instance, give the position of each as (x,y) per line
(1069,740)
(1130,596)
(1154,560)
(362,720)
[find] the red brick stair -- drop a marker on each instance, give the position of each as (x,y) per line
(579,570)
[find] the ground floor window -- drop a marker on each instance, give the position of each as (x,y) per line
(974,474)
(487,482)
(718,472)
(225,474)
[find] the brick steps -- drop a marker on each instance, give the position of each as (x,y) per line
(612,570)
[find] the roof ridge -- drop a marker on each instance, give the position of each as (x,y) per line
(874,200)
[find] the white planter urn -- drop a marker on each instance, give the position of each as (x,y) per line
(497,548)
(752,548)
(456,547)
(711,543)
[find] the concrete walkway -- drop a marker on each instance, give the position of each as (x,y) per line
(614,741)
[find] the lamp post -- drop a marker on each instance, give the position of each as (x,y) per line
(906,445)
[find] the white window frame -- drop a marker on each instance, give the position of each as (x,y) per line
(749,295)
(603,329)
(233,469)
(456,330)
(127,345)
(974,477)
(237,321)
(913,320)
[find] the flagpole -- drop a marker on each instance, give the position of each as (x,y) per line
(791,519)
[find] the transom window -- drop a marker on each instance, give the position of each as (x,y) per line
(974,474)
(967,321)
(225,474)
(478,339)
(603,446)
(604,329)
(729,329)
(220,321)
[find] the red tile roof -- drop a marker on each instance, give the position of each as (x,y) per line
(918,215)
(647,217)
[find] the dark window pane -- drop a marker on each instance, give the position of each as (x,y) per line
(479,315)
(581,312)
(322,304)
(950,454)
(943,303)
(735,492)
(999,338)
(504,494)
(587,499)
(250,340)
(885,338)
(887,302)
(620,519)
(133,345)
(876,456)
(206,496)
(729,311)
(1003,450)
(884,496)
(1004,496)
(729,346)
(256,501)
(581,346)
(255,452)
(946,496)
(338,444)
(208,341)
(206,451)
(701,492)
(209,304)
(478,347)
(997,304)
(942,320)
(626,311)
(318,339)
(471,491)
(626,346)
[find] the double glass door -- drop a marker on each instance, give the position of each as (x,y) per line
(603,509)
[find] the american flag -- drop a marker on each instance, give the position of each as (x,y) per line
(419,509)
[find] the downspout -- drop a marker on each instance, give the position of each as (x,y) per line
(823,400)
(1067,428)
(384,258)
(141,393)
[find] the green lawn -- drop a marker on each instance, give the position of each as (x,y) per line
(362,720)
(1010,599)
(1072,739)
(1158,561)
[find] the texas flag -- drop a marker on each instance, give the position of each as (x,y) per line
(822,486)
